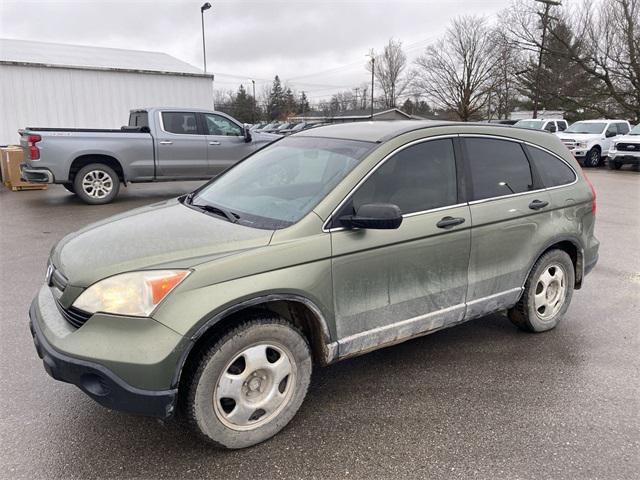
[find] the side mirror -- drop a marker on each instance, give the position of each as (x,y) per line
(246,131)
(553,129)
(610,134)
(377,216)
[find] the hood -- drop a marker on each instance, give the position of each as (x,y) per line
(579,135)
(628,139)
(167,234)
(265,137)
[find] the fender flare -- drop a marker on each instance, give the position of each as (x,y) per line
(329,350)
(579,266)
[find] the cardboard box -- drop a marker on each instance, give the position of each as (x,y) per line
(10,160)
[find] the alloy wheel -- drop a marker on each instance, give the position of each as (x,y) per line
(97,183)
(255,386)
(550,291)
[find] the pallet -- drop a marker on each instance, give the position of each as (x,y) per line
(26,186)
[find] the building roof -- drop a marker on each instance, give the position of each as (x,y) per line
(27,52)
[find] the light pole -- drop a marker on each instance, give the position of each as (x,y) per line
(545,20)
(204,7)
(253,82)
(373,69)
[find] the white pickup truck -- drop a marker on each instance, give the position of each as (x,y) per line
(625,149)
(590,140)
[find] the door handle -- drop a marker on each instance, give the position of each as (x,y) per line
(538,204)
(214,143)
(448,222)
(166,142)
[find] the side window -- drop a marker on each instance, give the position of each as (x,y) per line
(550,126)
(139,119)
(219,125)
(498,167)
(623,128)
(180,122)
(552,170)
(612,130)
(418,178)
(562,125)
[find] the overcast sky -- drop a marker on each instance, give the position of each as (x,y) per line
(314,45)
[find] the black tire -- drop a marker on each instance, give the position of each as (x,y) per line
(69,187)
(105,188)
(526,315)
(613,165)
(239,421)
(593,158)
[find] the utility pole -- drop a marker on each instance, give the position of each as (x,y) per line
(204,7)
(545,23)
(253,82)
(302,101)
(357,92)
(373,70)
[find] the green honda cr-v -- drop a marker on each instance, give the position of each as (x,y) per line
(324,245)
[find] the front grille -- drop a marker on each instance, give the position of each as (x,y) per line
(75,317)
(570,143)
(628,147)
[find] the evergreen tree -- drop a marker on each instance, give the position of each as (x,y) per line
(277,101)
(303,105)
(243,106)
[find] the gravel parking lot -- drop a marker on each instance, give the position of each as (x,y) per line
(481,400)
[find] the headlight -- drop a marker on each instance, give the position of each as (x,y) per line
(614,146)
(134,293)
(582,144)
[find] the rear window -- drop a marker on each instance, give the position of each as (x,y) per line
(180,122)
(138,119)
(553,171)
(498,168)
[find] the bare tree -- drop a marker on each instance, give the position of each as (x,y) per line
(503,91)
(389,72)
(457,72)
(603,42)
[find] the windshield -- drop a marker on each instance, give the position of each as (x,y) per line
(584,127)
(280,184)
(531,124)
(635,130)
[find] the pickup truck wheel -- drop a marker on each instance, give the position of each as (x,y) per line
(69,187)
(249,384)
(547,293)
(96,184)
(613,165)
(592,159)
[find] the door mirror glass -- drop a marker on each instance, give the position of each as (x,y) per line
(378,216)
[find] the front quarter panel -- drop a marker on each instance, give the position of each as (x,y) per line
(296,262)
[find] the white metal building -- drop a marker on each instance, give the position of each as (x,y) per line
(56,85)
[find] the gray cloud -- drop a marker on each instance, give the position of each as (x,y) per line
(294,38)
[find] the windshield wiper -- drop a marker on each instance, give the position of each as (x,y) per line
(229,215)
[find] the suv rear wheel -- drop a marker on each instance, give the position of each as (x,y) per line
(547,293)
(96,184)
(250,383)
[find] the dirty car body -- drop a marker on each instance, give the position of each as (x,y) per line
(462,246)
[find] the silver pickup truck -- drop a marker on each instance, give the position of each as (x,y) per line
(159,144)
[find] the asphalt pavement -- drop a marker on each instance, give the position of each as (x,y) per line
(481,400)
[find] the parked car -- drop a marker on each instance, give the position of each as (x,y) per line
(590,140)
(550,125)
(502,121)
(324,245)
(271,127)
(159,144)
(625,149)
(293,128)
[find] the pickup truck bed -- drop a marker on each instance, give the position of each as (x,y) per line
(159,144)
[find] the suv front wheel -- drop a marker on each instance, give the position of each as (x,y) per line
(250,383)
(547,293)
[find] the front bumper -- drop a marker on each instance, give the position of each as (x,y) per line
(624,157)
(35,175)
(100,382)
